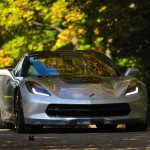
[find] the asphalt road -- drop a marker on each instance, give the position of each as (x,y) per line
(75,139)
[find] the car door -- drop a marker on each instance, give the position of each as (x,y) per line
(8,87)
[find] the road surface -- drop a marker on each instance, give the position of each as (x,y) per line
(75,139)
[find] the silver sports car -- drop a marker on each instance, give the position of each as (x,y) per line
(71,88)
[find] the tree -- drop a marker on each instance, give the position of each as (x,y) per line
(124,27)
(118,28)
(38,25)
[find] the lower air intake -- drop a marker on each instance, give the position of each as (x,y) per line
(98,110)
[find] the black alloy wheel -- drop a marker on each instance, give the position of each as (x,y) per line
(18,108)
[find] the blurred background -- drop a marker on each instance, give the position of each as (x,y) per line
(118,28)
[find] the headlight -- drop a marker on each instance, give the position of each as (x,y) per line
(36,88)
(133,88)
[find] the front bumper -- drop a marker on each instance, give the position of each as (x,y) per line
(37,116)
(35,107)
(83,121)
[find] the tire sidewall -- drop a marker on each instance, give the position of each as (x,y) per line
(20,123)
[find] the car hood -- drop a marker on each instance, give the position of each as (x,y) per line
(84,87)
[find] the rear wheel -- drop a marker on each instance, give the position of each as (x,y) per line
(107,127)
(18,107)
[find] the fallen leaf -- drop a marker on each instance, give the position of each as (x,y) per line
(31,138)
(5,132)
(92,94)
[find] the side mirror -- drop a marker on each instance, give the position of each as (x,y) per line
(6,72)
(131,71)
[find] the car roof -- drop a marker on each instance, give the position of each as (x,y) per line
(62,52)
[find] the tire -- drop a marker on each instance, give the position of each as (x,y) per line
(18,107)
(21,127)
(106,127)
(136,127)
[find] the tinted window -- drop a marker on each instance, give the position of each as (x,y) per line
(17,70)
(69,64)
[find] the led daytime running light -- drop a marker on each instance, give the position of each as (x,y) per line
(38,93)
(37,89)
(133,88)
(134,92)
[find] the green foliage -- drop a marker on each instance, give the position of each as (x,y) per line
(39,25)
(121,27)
(49,25)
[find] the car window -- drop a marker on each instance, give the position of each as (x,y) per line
(17,70)
(79,64)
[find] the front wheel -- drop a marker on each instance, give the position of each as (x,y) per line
(136,127)
(18,107)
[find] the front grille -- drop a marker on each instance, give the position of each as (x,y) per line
(96,110)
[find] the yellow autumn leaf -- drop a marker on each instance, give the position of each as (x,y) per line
(71,27)
(96,31)
(103,8)
(80,31)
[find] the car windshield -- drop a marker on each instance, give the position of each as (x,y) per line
(69,64)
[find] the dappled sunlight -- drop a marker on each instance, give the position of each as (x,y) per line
(4,130)
(74,139)
(73,89)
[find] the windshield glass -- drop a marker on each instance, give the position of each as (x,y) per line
(69,64)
